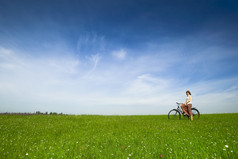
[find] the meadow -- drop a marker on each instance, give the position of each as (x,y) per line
(122,137)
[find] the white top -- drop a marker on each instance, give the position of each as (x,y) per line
(188,99)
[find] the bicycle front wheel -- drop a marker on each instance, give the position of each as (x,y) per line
(174,115)
(196,113)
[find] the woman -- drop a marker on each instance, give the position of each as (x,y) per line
(188,105)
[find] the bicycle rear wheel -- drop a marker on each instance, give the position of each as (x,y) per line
(174,114)
(196,113)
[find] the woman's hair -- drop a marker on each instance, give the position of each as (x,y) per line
(189,92)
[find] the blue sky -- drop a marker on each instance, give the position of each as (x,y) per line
(118,57)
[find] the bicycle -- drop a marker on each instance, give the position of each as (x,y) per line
(175,114)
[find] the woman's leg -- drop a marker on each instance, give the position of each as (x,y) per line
(183,106)
(190,111)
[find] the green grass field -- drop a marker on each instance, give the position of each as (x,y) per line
(123,137)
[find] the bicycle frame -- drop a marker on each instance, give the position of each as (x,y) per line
(179,107)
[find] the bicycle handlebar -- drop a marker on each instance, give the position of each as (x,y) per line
(179,103)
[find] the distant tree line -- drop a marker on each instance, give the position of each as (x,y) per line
(35,113)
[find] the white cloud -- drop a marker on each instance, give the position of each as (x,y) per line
(139,86)
(146,85)
(91,43)
(4,51)
(94,59)
(119,54)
